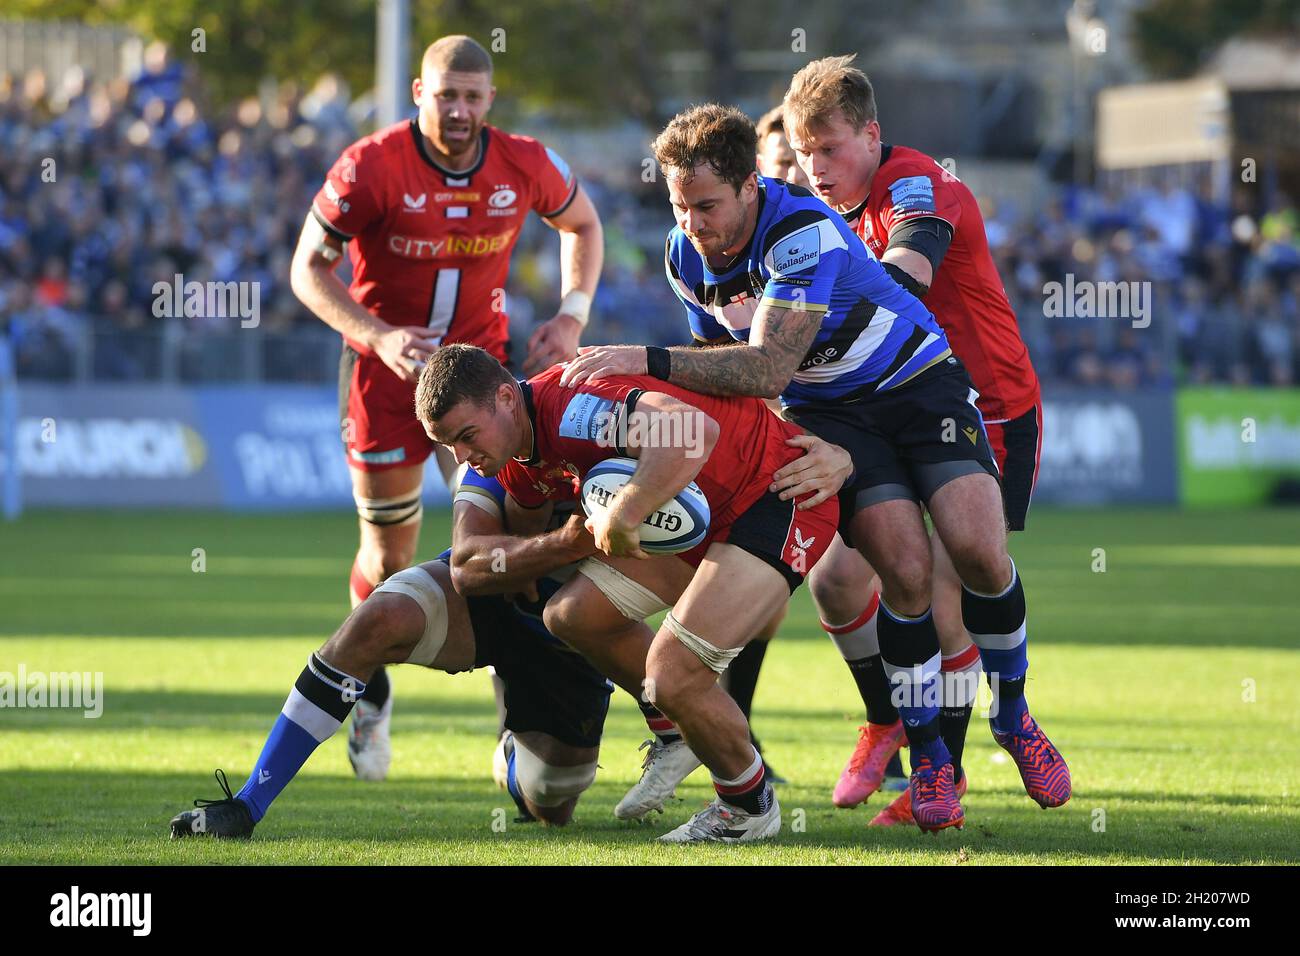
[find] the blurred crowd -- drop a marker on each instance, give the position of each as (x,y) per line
(1221,285)
(114,185)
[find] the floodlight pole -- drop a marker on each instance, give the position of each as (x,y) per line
(392,61)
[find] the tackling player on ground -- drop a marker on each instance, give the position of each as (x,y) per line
(429,210)
(925,226)
(555,701)
(858,360)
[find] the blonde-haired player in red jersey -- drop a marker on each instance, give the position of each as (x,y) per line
(429,210)
(925,227)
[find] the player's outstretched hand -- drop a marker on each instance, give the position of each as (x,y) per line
(577,538)
(556,340)
(405,349)
(603,361)
(614,540)
(820,472)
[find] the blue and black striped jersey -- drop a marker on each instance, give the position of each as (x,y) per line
(874,334)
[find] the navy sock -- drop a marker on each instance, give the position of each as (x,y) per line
(997,626)
(909,648)
(320,701)
(932,747)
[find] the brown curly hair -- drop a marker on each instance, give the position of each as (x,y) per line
(721,136)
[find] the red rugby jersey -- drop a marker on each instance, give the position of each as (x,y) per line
(567,424)
(966,295)
(431,246)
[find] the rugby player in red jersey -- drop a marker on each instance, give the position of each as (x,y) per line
(429,210)
(775,157)
(539,437)
(925,227)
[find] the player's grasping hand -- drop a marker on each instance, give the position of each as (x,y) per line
(405,349)
(554,341)
(604,361)
(821,471)
(614,537)
(577,537)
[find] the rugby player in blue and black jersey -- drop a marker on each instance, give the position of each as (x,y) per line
(859,361)
(508,565)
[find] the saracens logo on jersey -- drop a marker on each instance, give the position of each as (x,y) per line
(502,202)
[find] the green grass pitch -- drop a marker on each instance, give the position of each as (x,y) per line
(1169,681)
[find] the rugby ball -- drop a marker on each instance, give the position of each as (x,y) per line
(678,525)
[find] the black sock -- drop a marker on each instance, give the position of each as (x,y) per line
(756,798)
(377,688)
(895,766)
(659,725)
(873,686)
(1011,689)
(742,675)
(952,728)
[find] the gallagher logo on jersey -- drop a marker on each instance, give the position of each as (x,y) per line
(912,194)
(797,252)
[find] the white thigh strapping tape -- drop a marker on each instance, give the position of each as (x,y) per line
(634,601)
(417,584)
(546,785)
(715,658)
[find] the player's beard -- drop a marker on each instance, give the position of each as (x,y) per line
(459,148)
(719,244)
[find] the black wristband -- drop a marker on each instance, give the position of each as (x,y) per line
(658,364)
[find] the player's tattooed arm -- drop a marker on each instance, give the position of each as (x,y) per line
(486,558)
(778,342)
(763,367)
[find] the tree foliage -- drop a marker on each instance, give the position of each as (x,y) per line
(1175,37)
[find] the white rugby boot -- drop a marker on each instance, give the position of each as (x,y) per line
(369,749)
(665,766)
(722,823)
